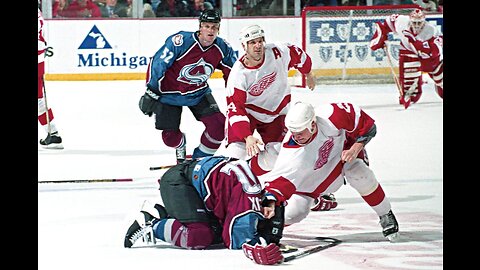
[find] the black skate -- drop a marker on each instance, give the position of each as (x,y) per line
(52,141)
(390,226)
(141,228)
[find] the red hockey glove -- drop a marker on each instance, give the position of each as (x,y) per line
(268,255)
(379,37)
(324,203)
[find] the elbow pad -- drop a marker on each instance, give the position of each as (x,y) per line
(367,136)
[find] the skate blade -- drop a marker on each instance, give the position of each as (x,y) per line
(394,237)
(54,146)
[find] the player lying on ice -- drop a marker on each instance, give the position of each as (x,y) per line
(211,201)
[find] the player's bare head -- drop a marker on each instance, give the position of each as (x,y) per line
(251,32)
(417,20)
(301,121)
(209,26)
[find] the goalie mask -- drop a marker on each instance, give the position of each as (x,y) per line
(250,33)
(417,20)
(300,117)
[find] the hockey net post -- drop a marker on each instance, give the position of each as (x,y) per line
(337,38)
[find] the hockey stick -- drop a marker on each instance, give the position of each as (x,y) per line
(189,157)
(87,180)
(330,243)
(161,167)
(395,77)
(46,106)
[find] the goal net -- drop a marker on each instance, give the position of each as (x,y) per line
(338,38)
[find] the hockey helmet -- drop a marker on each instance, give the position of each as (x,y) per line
(210,15)
(300,116)
(417,20)
(251,32)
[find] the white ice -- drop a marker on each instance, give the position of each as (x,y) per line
(82,225)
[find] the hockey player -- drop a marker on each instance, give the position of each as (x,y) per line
(177,76)
(53,139)
(210,201)
(258,97)
(318,153)
(421,50)
(258,93)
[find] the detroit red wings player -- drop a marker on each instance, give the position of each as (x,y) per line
(53,139)
(258,93)
(421,50)
(319,153)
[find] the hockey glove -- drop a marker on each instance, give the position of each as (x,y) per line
(324,203)
(379,37)
(262,254)
(148,102)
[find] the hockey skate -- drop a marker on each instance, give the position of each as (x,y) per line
(141,227)
(181,151)
(52,141)
(390,226)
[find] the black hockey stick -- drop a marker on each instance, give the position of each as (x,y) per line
(87,180)
(189,157)
(161,167)
(330,243)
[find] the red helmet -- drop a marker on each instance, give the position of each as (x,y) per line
(417,20)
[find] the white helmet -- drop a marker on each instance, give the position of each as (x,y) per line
(251,32)
(300,116)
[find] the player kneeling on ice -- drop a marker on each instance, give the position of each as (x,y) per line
(211,201)
(319,153)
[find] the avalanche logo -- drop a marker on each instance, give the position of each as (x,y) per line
(323,154)
(196,73)
(177,40)
(257,88)
(95,40)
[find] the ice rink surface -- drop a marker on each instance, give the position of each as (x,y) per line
(82,225)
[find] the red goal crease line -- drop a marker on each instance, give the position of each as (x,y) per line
(88,180)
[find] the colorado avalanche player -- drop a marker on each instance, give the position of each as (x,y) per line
(210,201)
(319,153)
(177,76)
(421,50)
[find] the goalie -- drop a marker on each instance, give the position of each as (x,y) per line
(211,201)
(421,50)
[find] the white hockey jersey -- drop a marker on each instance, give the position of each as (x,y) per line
(399,23)
(310,169)
(263,92)
(42,44)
